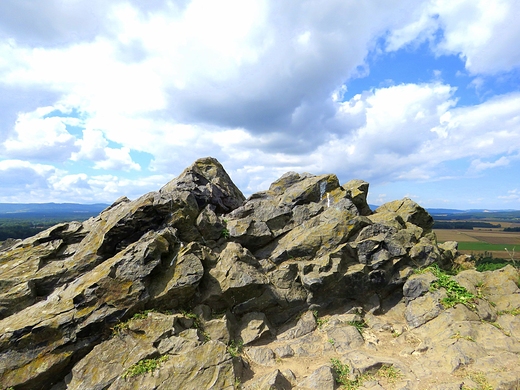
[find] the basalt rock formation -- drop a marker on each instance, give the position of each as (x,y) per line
(194,286)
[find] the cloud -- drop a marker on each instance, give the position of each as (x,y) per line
(483,33)
(44,183)
(52,22)
(479,165)
(260,85)
(37,137)
(512,195)
(93,147)
(229,64)
(17,176)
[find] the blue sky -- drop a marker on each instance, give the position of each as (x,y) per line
(419,98)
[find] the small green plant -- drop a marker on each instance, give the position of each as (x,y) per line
(124,325)
(120,327)
(197,324)
(144,366)
(143,315)
(319,321)
(235,347)
(343,375)
(342,372)
(225,233)
(359,325)
(331,341)
(455,292)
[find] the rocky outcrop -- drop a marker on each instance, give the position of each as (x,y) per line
(194,286)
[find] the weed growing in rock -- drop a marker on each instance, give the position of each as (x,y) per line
(144,366)
(480,380)
(225,233)
(389,374)
(142,315)
(319,321)
(455,292)
(513,312)
(207,336)
(359,325)
(343,375)
(196,320)
(119,327)
(122,326)
(499,327)
(342,372)
(479,286)
(235,347)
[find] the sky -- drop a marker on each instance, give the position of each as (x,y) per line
(420,98)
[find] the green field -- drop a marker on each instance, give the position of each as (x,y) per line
(484,246)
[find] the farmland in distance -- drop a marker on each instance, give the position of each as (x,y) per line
(477,241)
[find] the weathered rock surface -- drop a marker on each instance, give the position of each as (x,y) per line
(194,286)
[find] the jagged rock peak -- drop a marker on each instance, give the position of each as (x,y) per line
(208,181)
(247,267)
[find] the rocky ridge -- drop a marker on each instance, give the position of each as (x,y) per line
(194,286)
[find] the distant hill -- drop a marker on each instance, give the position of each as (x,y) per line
(58,210)
(475,214)
(445,211)
(22,220)
(440,214)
